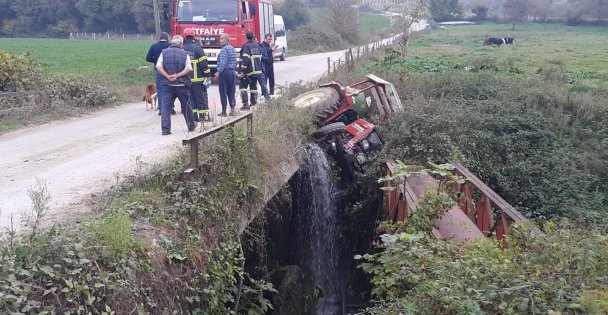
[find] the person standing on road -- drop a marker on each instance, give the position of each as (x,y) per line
(267,61)
(251,71)
(174,66)
(153,54)
(200,72)
(226,65)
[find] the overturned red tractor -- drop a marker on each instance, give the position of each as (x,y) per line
(338,114)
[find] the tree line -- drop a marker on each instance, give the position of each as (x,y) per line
(59,18)
(567,11)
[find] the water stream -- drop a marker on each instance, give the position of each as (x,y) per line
(319,229)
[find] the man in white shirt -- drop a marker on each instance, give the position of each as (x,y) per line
(174,66)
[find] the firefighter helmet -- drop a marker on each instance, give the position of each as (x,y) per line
(188,32)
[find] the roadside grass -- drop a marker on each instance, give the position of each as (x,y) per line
(579,50)
(7,124)
(115,63)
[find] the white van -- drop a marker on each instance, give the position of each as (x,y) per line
(280,38)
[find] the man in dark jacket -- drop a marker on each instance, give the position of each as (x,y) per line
(153,54)
(200,72)
(251,71)
(267,61)
(174,66)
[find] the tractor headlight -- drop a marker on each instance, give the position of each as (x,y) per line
(365,145)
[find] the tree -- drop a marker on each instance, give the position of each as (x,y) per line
(481,12)
(411,12)
(516,10)
(444,10)
(294,13)
(344,18)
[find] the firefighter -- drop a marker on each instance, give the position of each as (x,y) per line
(200,73)
(250,72)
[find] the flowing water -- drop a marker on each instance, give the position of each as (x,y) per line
(320,230)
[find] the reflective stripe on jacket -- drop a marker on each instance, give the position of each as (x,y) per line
(251,58)
(200,68)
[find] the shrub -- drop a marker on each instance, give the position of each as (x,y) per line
(560,271)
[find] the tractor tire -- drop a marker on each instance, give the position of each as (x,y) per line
(283,55)
(329,131)
(321,103)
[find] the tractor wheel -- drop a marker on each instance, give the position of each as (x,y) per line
(282,57)
(321,103)
(329,130)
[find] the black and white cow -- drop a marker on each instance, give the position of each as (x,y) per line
(495,41)
(508,40)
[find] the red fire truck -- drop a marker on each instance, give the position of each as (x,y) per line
(211,18)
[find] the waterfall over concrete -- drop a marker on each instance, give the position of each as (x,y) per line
(319,226)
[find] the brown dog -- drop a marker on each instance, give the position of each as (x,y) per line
(150,96)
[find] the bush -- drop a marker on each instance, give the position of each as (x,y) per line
(57,95)
(560,271)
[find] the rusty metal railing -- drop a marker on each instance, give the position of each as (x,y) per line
(477,202)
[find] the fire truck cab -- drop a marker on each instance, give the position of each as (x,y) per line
(211,18)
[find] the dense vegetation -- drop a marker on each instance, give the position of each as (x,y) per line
(159,243)
(530,121)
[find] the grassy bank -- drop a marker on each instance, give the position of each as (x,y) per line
(159,244)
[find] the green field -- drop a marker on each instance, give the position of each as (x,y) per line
(580,50)
(373,23)
(114,61)
(369,23)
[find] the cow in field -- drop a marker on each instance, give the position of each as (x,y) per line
(508,40)
(493,41)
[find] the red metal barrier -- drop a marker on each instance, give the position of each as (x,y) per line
(477,202)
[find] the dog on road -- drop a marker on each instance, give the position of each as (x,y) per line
(150,97)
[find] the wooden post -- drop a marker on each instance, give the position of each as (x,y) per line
(156,18)
(328,66)
(194,155)
(250,126)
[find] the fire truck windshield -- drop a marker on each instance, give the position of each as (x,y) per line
(205,11)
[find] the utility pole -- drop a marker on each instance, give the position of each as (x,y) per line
(156,18)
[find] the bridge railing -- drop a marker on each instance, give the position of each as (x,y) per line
(477,201)
(193,141)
